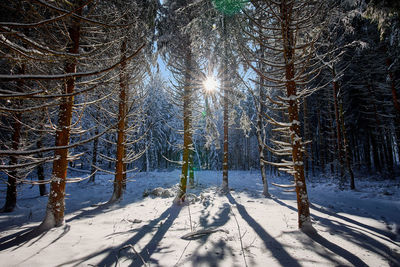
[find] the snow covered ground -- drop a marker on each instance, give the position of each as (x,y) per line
(354,228)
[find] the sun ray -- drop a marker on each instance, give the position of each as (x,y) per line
(210,84)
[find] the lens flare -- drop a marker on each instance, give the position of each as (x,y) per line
(210,84)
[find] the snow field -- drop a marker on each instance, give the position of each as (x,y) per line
(354,228)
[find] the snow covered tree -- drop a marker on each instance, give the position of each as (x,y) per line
(229,35)
(129,120)
(16,128)
(288,37)
(259,95)
(354,118)
(69,40)
(331,50)
(161,139)
(386,14)
(177,46)
(125,108)
(14,121)
(368,96)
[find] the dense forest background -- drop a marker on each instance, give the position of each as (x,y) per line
(118,87)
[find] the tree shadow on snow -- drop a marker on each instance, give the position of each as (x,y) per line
(20,216)
(28,211)
(385,235)
(353,234)
(111,256)
(363,206)
(91,213)
(34,234)
(21,237)
(214,251)
(277,250)
(218,220)
(153,245)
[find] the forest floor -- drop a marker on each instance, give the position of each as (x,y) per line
(243,228)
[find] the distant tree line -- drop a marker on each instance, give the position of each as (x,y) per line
(307,88)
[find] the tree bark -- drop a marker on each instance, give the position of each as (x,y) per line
(122,109)
(187,128)
(191,169)
(396,103)
(347,149)
(260,131)
(306,136)
(11,195)
(389,155)
(40,170)
(331,142)
(338,131)
(321,146)
(261,148)
(375,153)
(225,162)
(304,219)
(94,157)
(56,204)
(147,151)
(375,138)
(395,99)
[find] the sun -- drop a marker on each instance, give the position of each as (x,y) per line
(210,84)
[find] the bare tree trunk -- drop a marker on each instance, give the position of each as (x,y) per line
(388,152)
(124,175)
(321,146)
(207,150)
(295,135)
(122,109)
(261,151)
(191,168)
(187,128)
(397,133)
(305,132)
(396,103)
(331,142)
(11,195)
(260,131)
(395,98)
(56,205)
(338,131)
(225,163)
(147,154)
(40,170)
(375,153)
(347,149)
(375,138)
(94,157)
